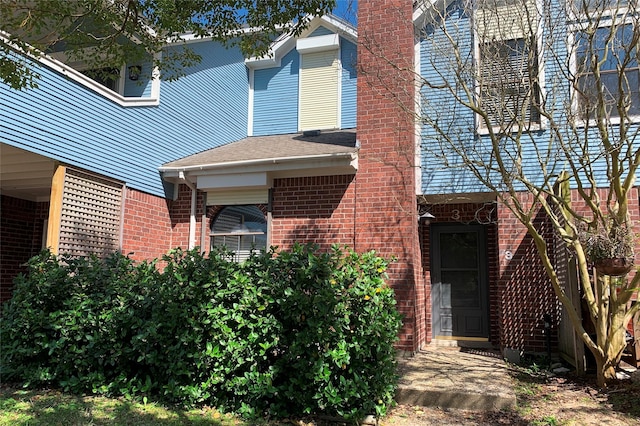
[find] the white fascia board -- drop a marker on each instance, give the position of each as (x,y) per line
(193,38)
(82,79)
(318,44)
(271,59)
(250,101)
(100,89)
(262,62)
(261,176)
(266,164)
(344,28)
(427,10)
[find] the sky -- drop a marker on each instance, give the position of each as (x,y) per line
(347,9)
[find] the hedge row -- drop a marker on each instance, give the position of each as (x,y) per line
(282,333)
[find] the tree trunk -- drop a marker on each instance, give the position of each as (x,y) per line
(610,332)
(605,370)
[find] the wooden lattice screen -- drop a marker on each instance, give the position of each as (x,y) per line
(570,345)
(90,219)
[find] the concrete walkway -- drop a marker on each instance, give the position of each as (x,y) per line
(469,379)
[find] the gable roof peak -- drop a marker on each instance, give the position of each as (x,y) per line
(427,10)
(283,44)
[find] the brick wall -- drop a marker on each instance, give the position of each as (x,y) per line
(180,217)
(519,291)
(317,210)
(147,228)
(21,230)
(525,293)
(154,225)
(385,181)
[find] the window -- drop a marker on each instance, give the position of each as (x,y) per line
(508,70)
(108,77)
(611,53)
(508,81)
(589,5)
(319,96)
(241,229)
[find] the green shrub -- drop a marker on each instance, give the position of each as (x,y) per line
(286,332)
(339,327)
(68,322)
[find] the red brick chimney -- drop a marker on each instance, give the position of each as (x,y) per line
(387,219)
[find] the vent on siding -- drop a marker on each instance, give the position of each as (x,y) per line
(319,90)
(91,212)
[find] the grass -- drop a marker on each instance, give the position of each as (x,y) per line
(529,388)
(540,403)
(546,421)
(27,407)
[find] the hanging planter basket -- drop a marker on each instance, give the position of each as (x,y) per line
(614,267)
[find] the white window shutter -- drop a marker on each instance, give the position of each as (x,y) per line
(319,90)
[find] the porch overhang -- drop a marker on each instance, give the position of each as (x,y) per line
(25,175)
(254,162)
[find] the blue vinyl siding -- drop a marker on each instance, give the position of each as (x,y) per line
(348,57)
(276,91)
(438,178)
(275,97)
(320,31)
(442,171)
(67,122)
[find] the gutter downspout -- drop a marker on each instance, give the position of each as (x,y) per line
(192,215)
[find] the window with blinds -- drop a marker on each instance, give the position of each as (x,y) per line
(508,71)
(608,73)
(240,229)
(508,82)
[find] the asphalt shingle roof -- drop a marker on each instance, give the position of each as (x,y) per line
(276,146)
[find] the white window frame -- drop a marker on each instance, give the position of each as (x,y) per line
(533,126)
(580,23)
(577,17)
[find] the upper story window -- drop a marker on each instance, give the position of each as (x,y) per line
(607,70)
(319,83)
(582,6)
(508,81)
(108,77)
(508,71)
(319,91)
(241,229)
(307,82)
